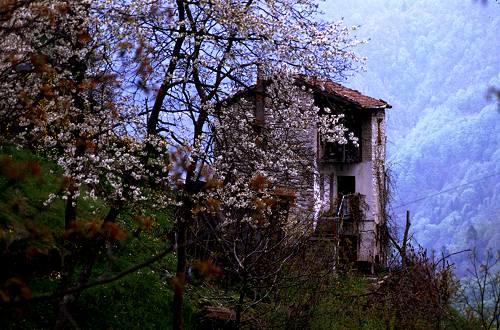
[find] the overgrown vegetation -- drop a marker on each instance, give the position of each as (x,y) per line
(31,234)
(310,293)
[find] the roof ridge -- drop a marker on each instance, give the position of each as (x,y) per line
(337,89)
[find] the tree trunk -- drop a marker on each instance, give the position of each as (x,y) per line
(239,307)
(405,240)
(178,322)
(67,267)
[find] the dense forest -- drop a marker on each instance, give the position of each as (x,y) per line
(435,61)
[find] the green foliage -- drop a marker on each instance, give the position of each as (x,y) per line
(418,296)
(28,229)
(343,306)
(140,301)
(31,233)
(25,184)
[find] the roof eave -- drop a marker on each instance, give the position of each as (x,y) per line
(382,107)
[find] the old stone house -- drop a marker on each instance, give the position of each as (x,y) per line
(346,191)
(352,183)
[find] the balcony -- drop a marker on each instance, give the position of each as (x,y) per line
(340,153)
(350,212)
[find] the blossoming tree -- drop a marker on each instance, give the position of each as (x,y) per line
(128,97)
(59,98)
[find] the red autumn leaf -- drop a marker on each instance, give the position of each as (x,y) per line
(31,251)
(113,231)
(47,91)
(144,222)
(14,287)
(258,182)
(206,269)
(34,168)
(84,38)
(178,283)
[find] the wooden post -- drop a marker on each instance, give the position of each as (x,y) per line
(405,239)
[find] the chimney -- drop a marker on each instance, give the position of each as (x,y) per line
(259,97)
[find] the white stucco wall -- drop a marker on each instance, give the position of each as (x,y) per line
(368,174)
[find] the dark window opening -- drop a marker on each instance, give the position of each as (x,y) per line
(379,131)
(346,188)
(346,185)
(343,153)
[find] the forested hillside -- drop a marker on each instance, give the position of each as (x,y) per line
(434,62)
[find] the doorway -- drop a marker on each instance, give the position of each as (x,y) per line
(345,185)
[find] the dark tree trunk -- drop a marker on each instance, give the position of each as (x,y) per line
(70,262)
(239,307)
(178,303)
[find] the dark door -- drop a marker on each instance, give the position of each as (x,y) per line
(345,185)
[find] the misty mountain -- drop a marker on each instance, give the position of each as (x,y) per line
(434,62)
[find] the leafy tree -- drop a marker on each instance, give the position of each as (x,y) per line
(192,56)
(58,101)
(127,99)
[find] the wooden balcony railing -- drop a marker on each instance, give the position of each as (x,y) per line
(349,213)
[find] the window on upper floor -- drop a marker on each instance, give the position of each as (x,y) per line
(343,153)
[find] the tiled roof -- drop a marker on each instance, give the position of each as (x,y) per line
(334,89)
(328,88)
